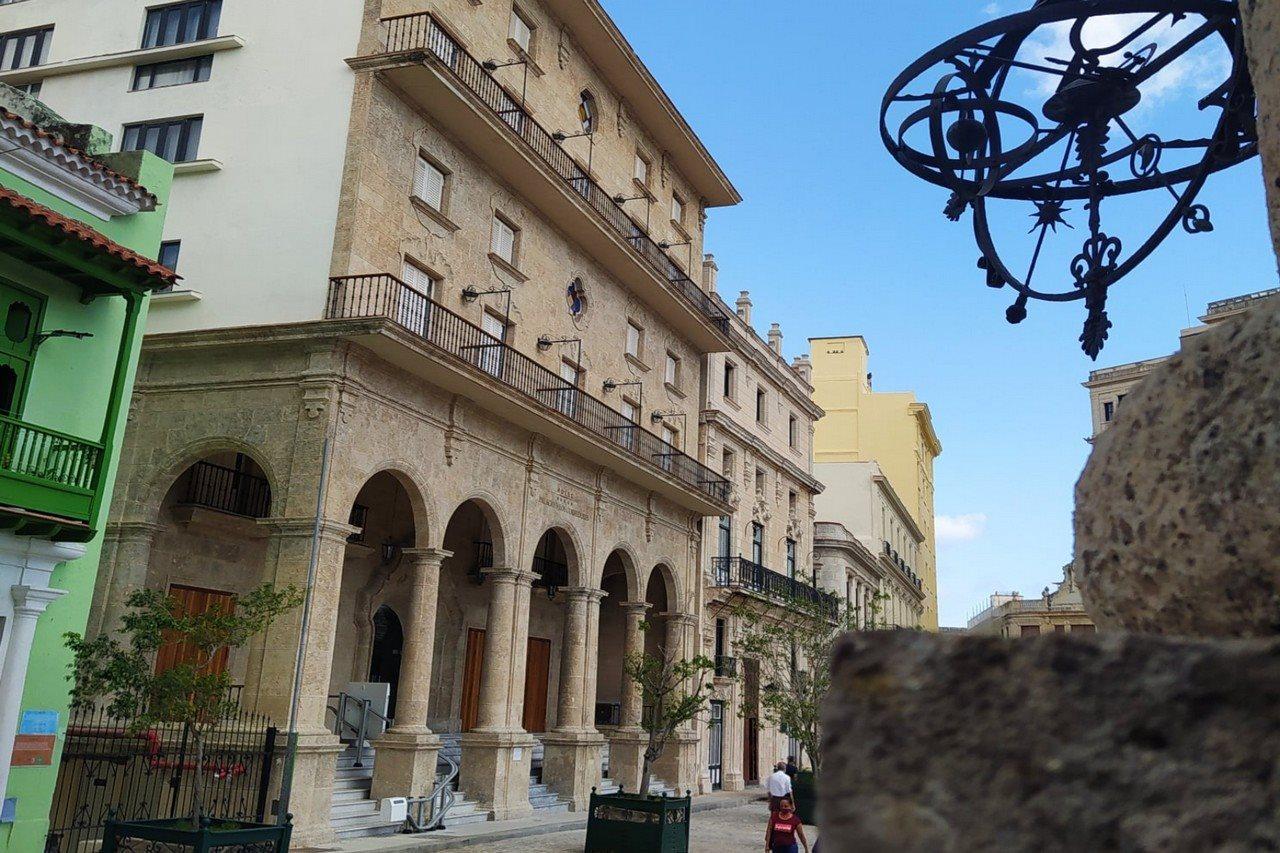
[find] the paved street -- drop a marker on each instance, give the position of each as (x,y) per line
(734,829)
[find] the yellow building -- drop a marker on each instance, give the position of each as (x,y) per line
(892,429)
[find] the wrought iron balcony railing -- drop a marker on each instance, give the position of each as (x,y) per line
(46,471)
(384,295)
(608,714)
(419,32)
(741,573)
(726,666)
(228,490)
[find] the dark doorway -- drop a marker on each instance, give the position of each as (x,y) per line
(751,723)
(388,644)
(537,675)
(715,750)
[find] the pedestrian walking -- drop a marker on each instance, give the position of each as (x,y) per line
(778,785)
(792,769)
(784,829)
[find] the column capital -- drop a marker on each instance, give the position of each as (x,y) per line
(588,594)
(680,618)
(507,574)
(305,527)
(431,556)
(637,607)
(32,600)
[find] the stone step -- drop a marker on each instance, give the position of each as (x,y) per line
(350,795)
(365,772)
(352,783)
(359,808)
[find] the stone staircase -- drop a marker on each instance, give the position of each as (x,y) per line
(352,812)
(608,786)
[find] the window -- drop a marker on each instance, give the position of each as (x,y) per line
(759,480)
(792,423)
(671,437)
(721,639)
(677,209)
(21,313)
(730,380)
(490,348)
(791,559)
(635,339)
(1029,630)
(412,309)
(627,432)
(724,541)
(567,399)
(521,31)
(429,183)
(757,543)
(760,407)
(505,239)
(672,375)
(1059,629)
(726,463)
(587,111)
(25,48)
(1086,627)
(642,170)
(176,73)
(1108,411)
(32,88)
(176,140)
(792,502)
(179,23)
(168,256)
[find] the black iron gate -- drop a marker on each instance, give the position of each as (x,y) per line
(715,751)
(109,768)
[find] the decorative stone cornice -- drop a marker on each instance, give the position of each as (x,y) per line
(717,418)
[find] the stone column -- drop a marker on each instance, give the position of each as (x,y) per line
(628,740)
(407,753)
(571,754)
(270,678)
(126,559)
(496,755)
(678,764)
(857,604)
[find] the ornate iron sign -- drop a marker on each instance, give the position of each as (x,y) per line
(1046,114)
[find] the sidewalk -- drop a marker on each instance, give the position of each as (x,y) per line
(481,835)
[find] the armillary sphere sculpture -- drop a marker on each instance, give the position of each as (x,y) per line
(1050,110)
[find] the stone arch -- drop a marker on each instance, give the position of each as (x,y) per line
(424,525)
(155,488)
(662,569)
(498,529)
(580,574)
(630,568)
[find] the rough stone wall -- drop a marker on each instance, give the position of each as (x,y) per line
(1262,37)
(1062,742)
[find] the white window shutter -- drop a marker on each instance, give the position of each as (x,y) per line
(504,240)
(417,278)
(428,184)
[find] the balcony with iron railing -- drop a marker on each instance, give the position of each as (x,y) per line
(417,49)
(47,475)
(742,574)
(726,666)
(464,357)
(228,490)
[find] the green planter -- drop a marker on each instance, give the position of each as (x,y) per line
(805,789)
(630,823)
(178,836)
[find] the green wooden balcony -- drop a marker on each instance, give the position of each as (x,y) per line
(46,476)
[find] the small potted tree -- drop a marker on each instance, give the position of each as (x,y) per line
(193,694)
(673,692)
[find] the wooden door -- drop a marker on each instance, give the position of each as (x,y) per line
(751,750)
(192,601)
(537,670)
(471,669)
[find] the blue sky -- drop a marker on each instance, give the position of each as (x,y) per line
(833,237)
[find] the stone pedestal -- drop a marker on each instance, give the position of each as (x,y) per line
(626,757)
(406,764)
(678,764)
(496,767)
(571,765)
(312,788)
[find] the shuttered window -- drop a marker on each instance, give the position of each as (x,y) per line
(428,183)
(503,242)
(419,279)
(642,171)
(520,31)
(634,335)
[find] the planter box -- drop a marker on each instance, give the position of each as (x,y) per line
(805,790)
(177,836)
(630,823)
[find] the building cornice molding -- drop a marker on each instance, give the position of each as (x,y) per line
(892,495)
(715,417)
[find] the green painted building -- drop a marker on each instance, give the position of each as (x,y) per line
(79,227)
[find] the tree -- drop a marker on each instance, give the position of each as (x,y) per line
(793,641)
(191,692)
(673,692)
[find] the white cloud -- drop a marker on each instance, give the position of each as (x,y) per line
(960,528)
(991,10)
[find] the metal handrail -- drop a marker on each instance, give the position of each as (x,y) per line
(419,31)
(739,572)
(228,490)
(437,805)
(384,295)
(361,729)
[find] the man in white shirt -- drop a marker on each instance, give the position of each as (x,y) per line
(778,785)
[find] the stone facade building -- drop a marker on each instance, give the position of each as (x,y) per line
(757,429)
(430,398)
(1058,610)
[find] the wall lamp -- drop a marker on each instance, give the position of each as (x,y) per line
(561,136)
(611,385)
(658,417)
(492,65)
(545,343)
(623,199)
(665,245)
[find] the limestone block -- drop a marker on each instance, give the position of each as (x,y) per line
(1059,742)
(1177,521)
